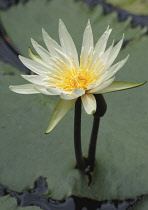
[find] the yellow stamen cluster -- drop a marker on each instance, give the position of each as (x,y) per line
(72,79)
(68,79)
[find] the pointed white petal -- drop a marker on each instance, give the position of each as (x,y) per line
(100,82)
(91,86)
(66,96)
(67,43)
(75,94)
(87,44)
(43,90)
(24,89)
(62,56)
(102,42)
(78,92)
(88,37)
(61,109)
(45,55)
(102,86)
(51,44)
(54,48)
(116,67)
(54,91)
(34,66)
(114,52)
(119,85)
(89,103)
(34,79)
(105,56)
(102,62)
(36,57)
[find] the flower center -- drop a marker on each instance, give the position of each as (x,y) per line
(68,78)
(76,79)
(71,79)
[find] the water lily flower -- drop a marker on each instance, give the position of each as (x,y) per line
(59,71)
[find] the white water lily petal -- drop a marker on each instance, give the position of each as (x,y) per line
(100,81)
(104,60)
(34,66)
(75,94)
(105,56)
(119,85)
(45,55)
(36,57)
(43,90)
(91,86)
(87,45)
(61,109)
(102,86)
(51,44)
(89,103)
(35,79)
(67,43)
(66,96)
(55,50)
(101,44)
(64,58)
(78,92)
(24,89)
(111,72)
(113,69)
(114,52)
(62,54)
(54,91)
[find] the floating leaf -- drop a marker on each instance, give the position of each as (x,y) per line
(9,203)
(134,6)
(142,205)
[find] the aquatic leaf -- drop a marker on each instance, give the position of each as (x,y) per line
(9,203)
(134,6)
(142,205)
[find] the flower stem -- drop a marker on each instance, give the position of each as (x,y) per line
(80,163)
(93,142)
(101,109)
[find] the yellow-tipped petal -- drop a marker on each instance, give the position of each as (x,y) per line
(89,103)
(119,85)
(61,109)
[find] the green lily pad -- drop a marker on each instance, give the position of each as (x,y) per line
(9,203)
(142,205)
(134,6)
(46,14)
(26,152)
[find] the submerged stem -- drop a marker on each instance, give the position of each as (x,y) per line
(101,109)
(80,163)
